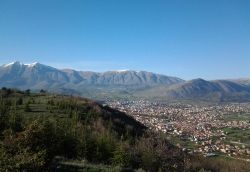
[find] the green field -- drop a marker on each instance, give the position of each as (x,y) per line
(175,140)
(237,135)
(238,117)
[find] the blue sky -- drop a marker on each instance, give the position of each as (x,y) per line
(189,39)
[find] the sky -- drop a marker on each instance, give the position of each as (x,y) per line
(207,39)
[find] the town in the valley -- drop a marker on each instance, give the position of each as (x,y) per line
(210,130)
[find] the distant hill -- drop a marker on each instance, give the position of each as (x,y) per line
(120,84)
(199,89)
(244,81)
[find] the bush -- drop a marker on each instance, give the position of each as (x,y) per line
(27,107)
(122,156)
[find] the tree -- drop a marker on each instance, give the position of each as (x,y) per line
(26,150)
(19,101)
(27,92)
(4,113)
(42,91)
(15,121)
(121,156)
(27,107)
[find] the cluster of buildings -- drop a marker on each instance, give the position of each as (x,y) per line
(201,124)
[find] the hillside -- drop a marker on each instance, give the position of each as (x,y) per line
(36,129)
(244,81)
(199,89)
(45,132)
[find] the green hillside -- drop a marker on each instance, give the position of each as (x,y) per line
(46,132)
(37,128)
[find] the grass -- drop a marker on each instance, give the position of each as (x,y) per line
(66,165)
(237,135)
(222,164)
(183,143)
(238,117)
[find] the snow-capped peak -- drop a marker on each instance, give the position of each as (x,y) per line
(32,64)
(21,64)
(12,63)
(126,70)
(120,71)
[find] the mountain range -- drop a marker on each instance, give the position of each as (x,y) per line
(123,83)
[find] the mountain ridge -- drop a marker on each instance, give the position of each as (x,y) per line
(122,83)
(130,77)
